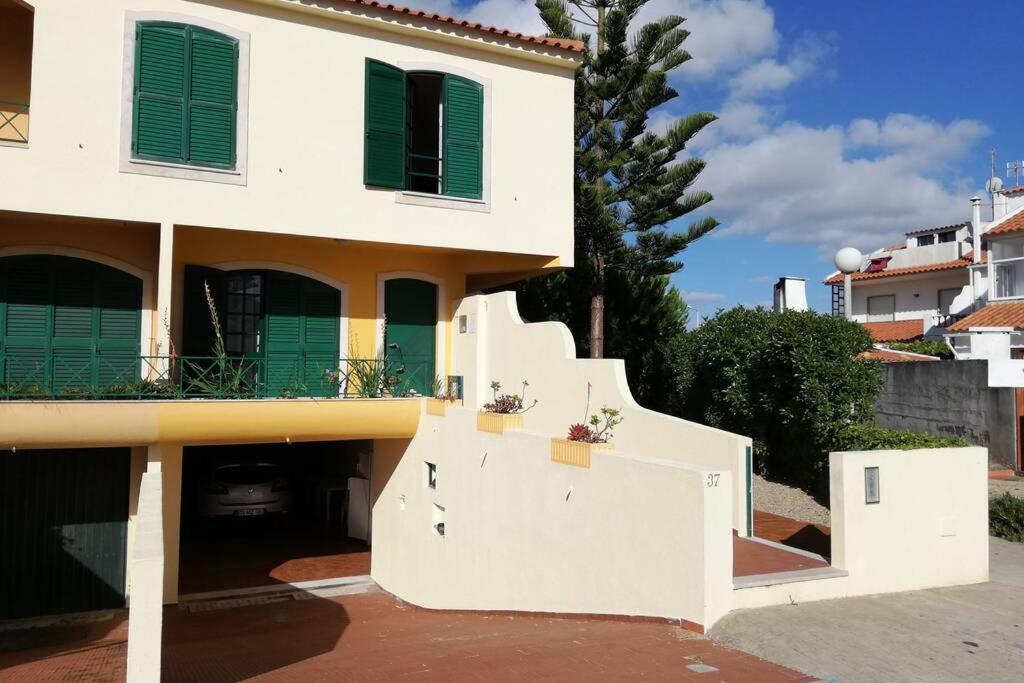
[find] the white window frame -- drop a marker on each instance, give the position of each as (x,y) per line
(993,268)
(441,201)
(128,164)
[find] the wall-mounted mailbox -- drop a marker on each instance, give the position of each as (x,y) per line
(871,490)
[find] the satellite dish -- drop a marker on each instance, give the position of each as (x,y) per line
(848,260)
(994,185)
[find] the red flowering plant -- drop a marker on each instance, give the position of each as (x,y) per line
(600,428)
(508,404)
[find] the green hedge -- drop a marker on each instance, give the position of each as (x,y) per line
(928,348)
(1006,518)
(866,437)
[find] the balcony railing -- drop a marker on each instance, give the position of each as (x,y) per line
(100,377)
(944,320)
(13,121)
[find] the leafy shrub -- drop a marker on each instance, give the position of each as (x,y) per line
(508,404)
(790,380)
(867,437)
(928,348)
(1006,518)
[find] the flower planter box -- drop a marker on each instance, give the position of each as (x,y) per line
(498,423)
(576,453)
(436,406)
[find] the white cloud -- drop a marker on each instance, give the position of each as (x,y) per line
(770,75)
(519,15)
(702,297)
(809,185)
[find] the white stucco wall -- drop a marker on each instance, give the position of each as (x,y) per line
(305,131)
(145,613)
(631,535)
(930,528)
(498,346)
(917,297)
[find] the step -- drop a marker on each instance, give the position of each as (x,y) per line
(760,580)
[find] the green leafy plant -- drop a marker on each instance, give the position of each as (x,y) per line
(924,347)
(600,428)
(295,389)
(443,390)
(77,393)
(367,378)
(1006,517)
(869,437)
(508,404)
(222,376)
(141,389)
(21,390)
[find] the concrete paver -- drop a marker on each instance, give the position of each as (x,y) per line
(966,633)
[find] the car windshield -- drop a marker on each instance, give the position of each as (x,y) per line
(247,474)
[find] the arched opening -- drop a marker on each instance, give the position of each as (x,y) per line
(69,327)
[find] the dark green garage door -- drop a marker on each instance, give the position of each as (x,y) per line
(410,311)
(63,525)
(67,325)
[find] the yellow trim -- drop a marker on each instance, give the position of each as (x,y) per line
(498,423)
(576,453)
(81,424)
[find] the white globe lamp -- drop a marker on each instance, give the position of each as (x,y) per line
(848,261)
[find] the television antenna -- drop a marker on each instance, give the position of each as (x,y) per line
(1014,169)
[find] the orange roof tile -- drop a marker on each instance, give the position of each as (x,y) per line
(1014,191)
(993,315)
(898,330)
(939,228)
(1014,223)
(890,356)
(967,260)
(574,46)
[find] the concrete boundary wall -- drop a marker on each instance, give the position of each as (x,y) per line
(929,528)
(632,535)
(492,343)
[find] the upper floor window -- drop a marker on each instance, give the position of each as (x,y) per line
(925,240)
(949,236)
(185,100)
(881,308)
(424,132)
(1007,258)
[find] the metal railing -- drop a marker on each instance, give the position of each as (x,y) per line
(114,377)
(944,320)
(13,121)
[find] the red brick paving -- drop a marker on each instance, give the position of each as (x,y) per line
(88,652)
(750,558)
(375,637)
(813,538)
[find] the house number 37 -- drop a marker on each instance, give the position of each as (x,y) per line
(713,480)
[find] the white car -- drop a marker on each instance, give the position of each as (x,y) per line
(246,490)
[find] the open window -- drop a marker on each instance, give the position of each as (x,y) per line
(423,132)
(16,25)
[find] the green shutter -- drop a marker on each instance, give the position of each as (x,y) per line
(463,137)
(384,148)
(27,329)
(213,69)
(118,327)
(160,80)
(410,309)
(321,348)
(186,95)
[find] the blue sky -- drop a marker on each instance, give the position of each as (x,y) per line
(840,123)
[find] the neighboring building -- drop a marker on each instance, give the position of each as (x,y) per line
(790,294)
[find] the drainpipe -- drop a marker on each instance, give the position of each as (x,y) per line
(976,227)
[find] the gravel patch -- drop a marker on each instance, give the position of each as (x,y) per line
(788,501)
(997,487)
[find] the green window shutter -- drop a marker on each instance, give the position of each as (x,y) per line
(212,99)
(410,308)
(384,148)
(321,306)
(463,137)
(282,347)
(28,322)
(160,84)
(118,327)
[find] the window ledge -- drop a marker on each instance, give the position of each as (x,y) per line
(13,143)
(183,172)
(441,201)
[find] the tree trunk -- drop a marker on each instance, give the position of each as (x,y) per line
(597,325)
(597,296)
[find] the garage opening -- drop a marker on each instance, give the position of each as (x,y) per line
(262,515)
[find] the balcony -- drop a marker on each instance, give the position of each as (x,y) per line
(13,122)
(96,377)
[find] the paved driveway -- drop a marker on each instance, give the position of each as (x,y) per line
(969,633)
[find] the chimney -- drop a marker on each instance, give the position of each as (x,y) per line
(998,205)
(976,226)
(790,294)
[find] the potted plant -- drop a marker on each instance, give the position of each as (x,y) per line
(444,393)
(583,439)
(504,412)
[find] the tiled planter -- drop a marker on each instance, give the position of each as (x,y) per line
(437,406)
(576,453)
(498,423)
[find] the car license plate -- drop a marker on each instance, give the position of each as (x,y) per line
(250,512)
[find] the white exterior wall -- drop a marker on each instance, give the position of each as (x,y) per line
(305,131)
(631,535)
(145,616)
(930,528)
(917,297)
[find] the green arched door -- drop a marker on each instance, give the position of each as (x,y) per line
(68,326)
(410,311)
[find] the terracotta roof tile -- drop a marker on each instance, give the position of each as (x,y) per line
(1014,191)
(925,231)
(890,356)
(1014,223)
(898,330)
(967,260)
(993,315)
(574,46)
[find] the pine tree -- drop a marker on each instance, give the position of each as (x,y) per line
(630,181)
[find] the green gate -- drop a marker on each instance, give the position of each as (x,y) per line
(63,528)
(410,310)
